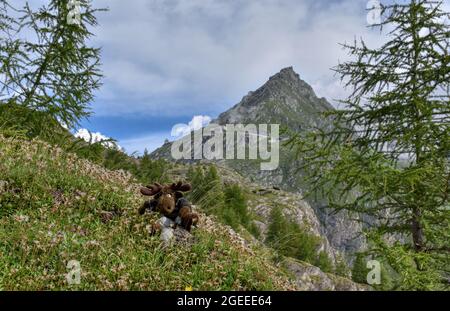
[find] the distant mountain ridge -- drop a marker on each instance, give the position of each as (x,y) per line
(287,100)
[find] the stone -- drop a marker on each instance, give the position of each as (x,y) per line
(311,278)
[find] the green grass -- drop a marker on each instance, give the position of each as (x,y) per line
(51,206)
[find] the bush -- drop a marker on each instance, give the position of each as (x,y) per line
(341,267)
(236,206)
(359,271)
(149,170)
(387,281)
(324,262)
(236,201)
(289,239)
(254,230)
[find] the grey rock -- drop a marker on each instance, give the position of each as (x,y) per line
(262,227)
(311,278)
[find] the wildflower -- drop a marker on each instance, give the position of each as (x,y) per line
(93,243)
(21,218)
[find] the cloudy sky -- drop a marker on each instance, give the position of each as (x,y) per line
(166,61)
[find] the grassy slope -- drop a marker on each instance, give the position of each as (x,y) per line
(51,207)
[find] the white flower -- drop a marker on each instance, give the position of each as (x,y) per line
(21,218)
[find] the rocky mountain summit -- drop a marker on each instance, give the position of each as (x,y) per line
(287,100)
(284,99)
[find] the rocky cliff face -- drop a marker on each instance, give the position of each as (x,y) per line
(287,100)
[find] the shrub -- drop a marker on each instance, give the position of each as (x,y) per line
(359,271)
(324,262)
(149,170)
(341,267)
(236,201)
(289,239)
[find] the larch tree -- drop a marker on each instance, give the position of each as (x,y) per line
(386,157)
(47,63)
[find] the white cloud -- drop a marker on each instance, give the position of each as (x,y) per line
(197,122)
(180,57)
(96,137)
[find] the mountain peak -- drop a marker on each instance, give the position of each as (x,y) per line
(284,98)
(287,73)
(289,81)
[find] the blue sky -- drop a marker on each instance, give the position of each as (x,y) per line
(166,61)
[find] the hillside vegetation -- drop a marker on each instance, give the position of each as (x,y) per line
(56,207)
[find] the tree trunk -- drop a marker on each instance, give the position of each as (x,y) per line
(417,231)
